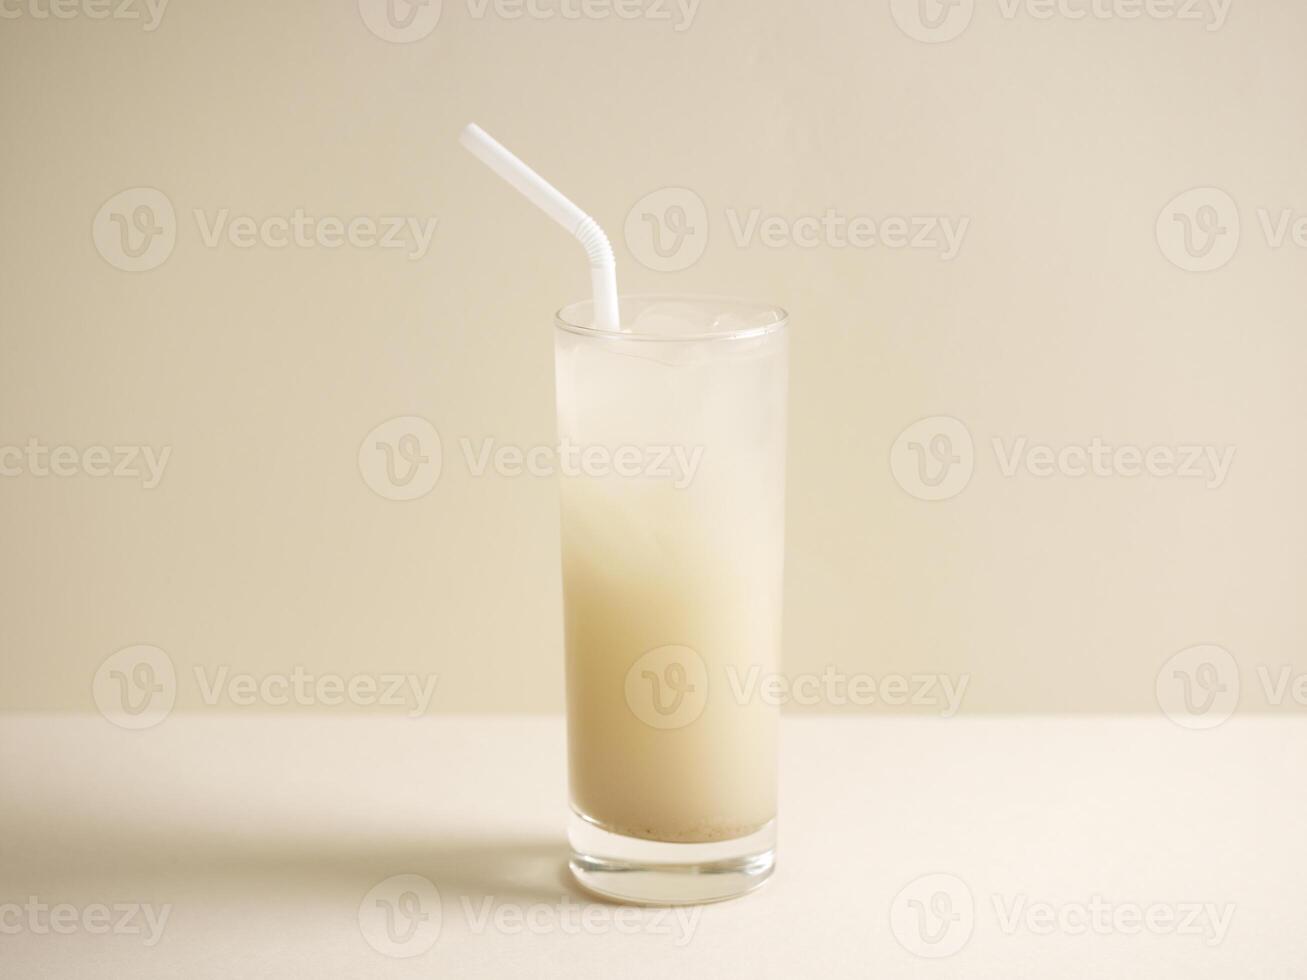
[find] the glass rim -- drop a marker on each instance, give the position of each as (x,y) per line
(567,320)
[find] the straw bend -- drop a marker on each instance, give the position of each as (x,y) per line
(598,249)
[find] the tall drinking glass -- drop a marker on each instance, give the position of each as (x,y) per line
(672,463)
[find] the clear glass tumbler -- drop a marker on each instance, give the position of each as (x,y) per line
(672,480)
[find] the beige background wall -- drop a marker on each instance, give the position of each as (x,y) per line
(1065,316)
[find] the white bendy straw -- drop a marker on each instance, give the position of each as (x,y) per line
(603,267)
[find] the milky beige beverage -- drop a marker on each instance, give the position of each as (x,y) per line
(673,450)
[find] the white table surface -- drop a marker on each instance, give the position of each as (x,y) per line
(265,834)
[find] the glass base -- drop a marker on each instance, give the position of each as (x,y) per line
(646,872)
